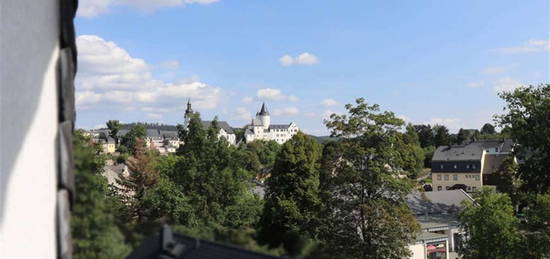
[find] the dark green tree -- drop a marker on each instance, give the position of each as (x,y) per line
(291,212)
(462,136)
(488,129)
(128,142)
(441,136)
(527,116)
(491,228)
(114,127)
(94,232)
(425,135)
(209,174)
(368,216)
(537,227)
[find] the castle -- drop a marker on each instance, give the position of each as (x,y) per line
(261,128)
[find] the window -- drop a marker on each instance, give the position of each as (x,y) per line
(439,188)
(441,166)
(467,166)
(469,188)
(474,166)
(454,166)
(439,177)
(455,177)
(446,177)
(477,177)
(474,189)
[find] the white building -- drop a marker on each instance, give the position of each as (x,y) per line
(261,129)
(226,131)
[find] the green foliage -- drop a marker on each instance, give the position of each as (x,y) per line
(94,232)
(466,135)
(491,227)
(367,215)
(291,212)
(114,127)
(441,136)
(537,227)
(488,129)
(528,110)
(128,143)
(209,174)
(428,154)
(122,158)
(425,135)
(265,151)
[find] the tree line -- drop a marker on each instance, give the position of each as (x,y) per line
(345,198)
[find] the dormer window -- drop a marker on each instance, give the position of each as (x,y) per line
(467,166)
(441,166)
(454,166)
(474,166)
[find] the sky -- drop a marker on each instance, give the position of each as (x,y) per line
(436,62)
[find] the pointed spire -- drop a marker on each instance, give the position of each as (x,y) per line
(263,110)
(189,110)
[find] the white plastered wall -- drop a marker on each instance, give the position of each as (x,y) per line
(28,126)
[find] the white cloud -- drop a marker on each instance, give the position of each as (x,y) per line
(92,8)
(477,84)
(242,113)
(289,111)
(530,46)
(506,84)
(329,102)
(275,95)
(247,99)
(155,116)
(109,75)
(170,64)
(302,59)
(286,60)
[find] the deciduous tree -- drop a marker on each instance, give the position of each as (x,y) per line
(491,228)
(291,212)
(94,232)
(368,215)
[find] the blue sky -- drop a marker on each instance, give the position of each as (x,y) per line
(427,61)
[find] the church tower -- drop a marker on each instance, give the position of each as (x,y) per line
(263,116)
(188,113)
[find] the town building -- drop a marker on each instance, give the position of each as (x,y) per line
(225,130)
(469,166)
(437,214)
(261,128)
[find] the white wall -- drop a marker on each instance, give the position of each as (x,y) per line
(418,251)
(28,126)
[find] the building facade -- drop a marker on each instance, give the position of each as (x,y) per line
(468,165)
(261,128)
(225,130)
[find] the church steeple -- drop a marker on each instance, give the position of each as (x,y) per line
(189,110)
(188,113)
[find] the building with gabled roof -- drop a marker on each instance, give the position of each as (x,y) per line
(225,130)
(468,165)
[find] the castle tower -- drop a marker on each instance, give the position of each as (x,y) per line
(263,116)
